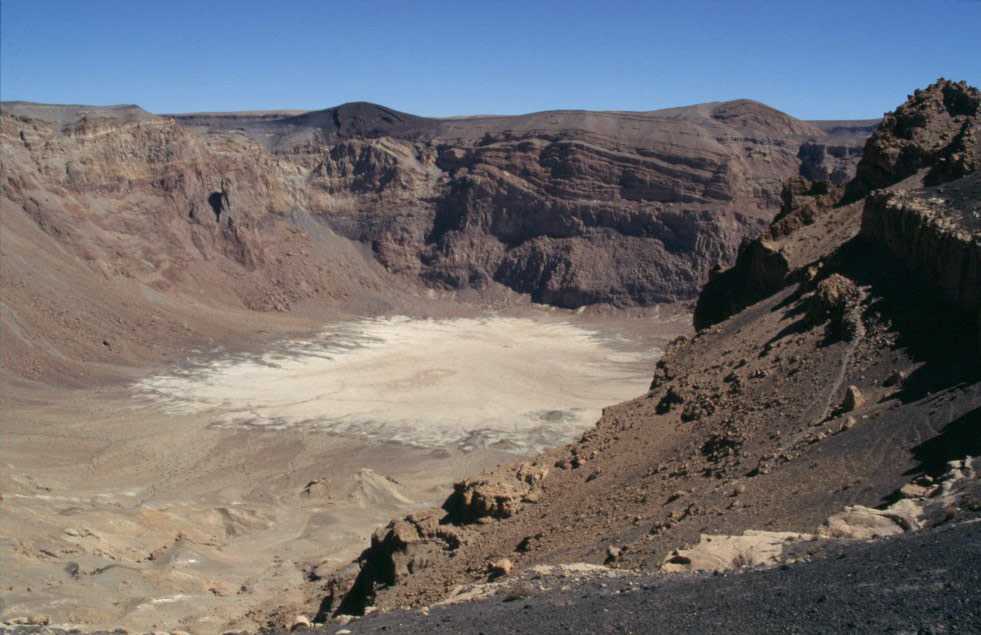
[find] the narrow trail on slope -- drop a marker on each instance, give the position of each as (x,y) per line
(800,438)
(846,359)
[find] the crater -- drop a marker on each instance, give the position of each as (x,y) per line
(519,384)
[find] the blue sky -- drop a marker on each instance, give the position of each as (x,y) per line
(811,59)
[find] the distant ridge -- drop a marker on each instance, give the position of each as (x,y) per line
(69,113)
(367,119)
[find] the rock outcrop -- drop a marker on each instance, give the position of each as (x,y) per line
(417,541)
(836,300)
(763,264)
(936,129)
(802,201)
(472,500)
(761,268)
(403,547)
(933,225)
(936,233)
(932,138)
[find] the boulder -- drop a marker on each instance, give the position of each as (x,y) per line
(854,399)
(613,553)
(300,621)
(896,378)
(716,553)
(836,301)
(474,500)
(500,567)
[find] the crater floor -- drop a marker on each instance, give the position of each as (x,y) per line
(510,383)
(211,495)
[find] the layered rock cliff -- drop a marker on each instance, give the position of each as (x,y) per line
(572,208)
(266,211)
(123,234)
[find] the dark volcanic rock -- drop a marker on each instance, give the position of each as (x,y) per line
(836,299)
(802,202)
(924,582)
(933,136)
(936,128)
(760,269)
(936,233)
(763,264)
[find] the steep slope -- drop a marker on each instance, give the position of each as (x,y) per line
(126,237)
(844,381)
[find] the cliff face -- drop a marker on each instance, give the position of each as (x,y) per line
(936,233)
(575,223)
(572,207)
(152,201)
(124,233)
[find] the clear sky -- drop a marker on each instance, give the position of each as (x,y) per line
(811,59)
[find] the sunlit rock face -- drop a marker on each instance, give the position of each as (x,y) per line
(512,383)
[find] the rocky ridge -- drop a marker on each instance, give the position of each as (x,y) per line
(928,140)
(936,130)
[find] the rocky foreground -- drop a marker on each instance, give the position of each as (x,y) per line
(919,583)
(833,388)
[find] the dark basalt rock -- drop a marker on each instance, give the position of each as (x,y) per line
(935,128)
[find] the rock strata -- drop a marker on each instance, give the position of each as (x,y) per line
(270,211)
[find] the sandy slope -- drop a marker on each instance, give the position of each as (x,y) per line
(119,510)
